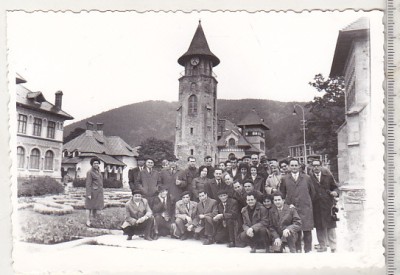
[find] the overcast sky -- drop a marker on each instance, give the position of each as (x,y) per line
(106,60)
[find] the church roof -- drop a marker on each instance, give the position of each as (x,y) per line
(36,101)
(253,119)
(199,46)
(357,29)
(94,142)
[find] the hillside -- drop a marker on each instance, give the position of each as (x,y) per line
(139,121)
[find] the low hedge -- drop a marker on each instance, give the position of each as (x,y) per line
(107,183)
(38,186)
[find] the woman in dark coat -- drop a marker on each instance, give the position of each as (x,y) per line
(199,182)
(94,191)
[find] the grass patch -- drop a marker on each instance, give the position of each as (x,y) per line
(52,229)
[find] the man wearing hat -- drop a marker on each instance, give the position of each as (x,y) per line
(148,179)
(185,213)
(228,213)
(163,211)
(133,174)
(139,217)
(168,178)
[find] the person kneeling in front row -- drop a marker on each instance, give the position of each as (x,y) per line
(255,223)
(139,217)
(185,213)
(285,222)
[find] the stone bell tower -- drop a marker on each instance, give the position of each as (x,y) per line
(196,120)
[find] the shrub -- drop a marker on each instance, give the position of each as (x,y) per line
(112,183)
(79,182)
(107,183)
(38,186)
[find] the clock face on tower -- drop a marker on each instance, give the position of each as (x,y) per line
(194,61)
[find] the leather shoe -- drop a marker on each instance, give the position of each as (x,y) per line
(231,244)
(322,249)
(148,238)
(333,250)
(155,237)
(129,238)
(208,242)
(253,250)
(196,236)
(183,237)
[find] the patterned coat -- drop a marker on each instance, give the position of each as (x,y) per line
(94,189)
(300,193)
(323,201)
(134,212)
(181,210)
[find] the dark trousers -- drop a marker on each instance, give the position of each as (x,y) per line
(140,228)
(181,227)
(307,239)
(289,241)
(161,226)
(208,227)
(260,238)
(225,233)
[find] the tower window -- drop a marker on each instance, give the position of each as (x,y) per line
(192,105)
(262,146)
(191,131)
(191,152)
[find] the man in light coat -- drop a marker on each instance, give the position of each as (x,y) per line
(185,213)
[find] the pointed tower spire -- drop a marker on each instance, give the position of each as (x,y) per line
(199,47)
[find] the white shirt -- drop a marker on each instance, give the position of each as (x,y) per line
(295,176)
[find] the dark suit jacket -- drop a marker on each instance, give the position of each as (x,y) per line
(212,188)
(288,218)
(158,207)
(259,220)
(168,179)
(231,209)
(258,182)
(148,182)
(133,175)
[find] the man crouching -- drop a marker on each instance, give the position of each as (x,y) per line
(255,222)
(139,217)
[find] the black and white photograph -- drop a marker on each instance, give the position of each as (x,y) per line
(196,142)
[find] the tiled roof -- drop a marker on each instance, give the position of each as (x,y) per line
(36,101)
(199,46)
(105,158)
(253,119)
(94,142)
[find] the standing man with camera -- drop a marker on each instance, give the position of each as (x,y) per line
(326,192)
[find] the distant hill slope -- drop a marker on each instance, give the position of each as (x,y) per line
(139,121)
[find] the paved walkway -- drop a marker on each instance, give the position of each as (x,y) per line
(113,254)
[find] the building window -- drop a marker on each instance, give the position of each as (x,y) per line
(48,160)
(37,127)
(262,145)
(20,157)
(191,152)
(34,159)
(191,131)
(232,142)
(22,120)
(65,154)
(192,105)
(51,129)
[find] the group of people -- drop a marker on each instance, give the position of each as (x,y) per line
(264,204)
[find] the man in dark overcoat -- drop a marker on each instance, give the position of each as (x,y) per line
(185,178)
(298,191)
(168,178)
(228,214)
(148,179)
(133,174)
(255,223)
(326,192)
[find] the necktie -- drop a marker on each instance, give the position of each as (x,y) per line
(165,205)
(318,177)
(224,205)
(187,206)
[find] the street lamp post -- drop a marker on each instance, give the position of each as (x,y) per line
(303,123)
